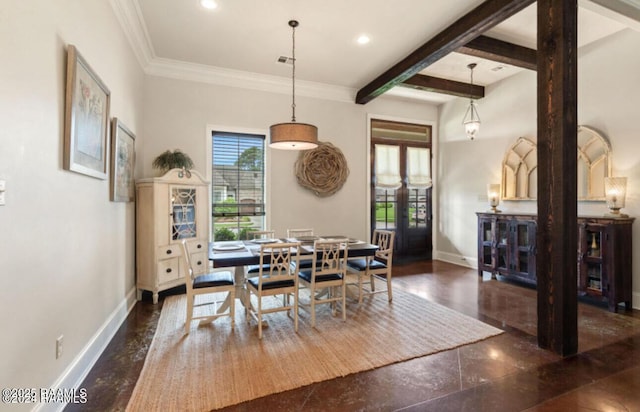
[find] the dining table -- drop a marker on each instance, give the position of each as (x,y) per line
(238,254)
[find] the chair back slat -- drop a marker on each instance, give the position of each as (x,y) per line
(384,240)
(294,233)
(275,262)
(330,257)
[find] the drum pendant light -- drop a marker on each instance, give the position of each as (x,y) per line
(293,135)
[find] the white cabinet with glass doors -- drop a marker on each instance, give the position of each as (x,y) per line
(169,209)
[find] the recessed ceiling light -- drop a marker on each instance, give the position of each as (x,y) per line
(363,39)
(208,4)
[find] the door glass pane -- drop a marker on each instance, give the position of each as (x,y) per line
(385,209)
(418,210)
(183,211)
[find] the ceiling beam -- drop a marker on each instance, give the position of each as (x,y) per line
(465,29)
(501,51)
(443,86)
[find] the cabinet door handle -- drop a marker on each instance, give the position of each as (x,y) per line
(169,251)
(168,270)
(199,246)
(199,263)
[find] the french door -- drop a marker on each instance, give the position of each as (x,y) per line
(401,192)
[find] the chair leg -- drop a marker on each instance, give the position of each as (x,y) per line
(295,311)
(313,307)
(259,317)
(360,291)
(389,292)
(187,322)
(344,302)
(232,309)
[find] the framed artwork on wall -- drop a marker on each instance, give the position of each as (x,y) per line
(123,157)
(86,126)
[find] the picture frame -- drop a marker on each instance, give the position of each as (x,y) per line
(86,131)
(123,157)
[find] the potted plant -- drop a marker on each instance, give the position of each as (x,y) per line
(172,160)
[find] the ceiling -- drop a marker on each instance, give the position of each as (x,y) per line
(241,40)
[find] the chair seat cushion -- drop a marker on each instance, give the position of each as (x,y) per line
(256,268)
(271,285)
(306,275)
(213,279)
(304,264)
(361,264)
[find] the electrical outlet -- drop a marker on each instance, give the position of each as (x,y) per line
(59,346)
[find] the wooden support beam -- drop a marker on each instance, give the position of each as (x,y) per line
(557,232)
(444,86)
(501,51)
(465,29)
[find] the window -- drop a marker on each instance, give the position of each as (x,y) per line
(237,185)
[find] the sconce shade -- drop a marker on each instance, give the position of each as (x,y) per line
(615,189)
(293,136)
(493,194)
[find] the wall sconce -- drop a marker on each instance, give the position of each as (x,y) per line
(615,190)
(493,193)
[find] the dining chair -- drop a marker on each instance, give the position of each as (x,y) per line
(378,267)
(294,233)
(326,277)
(280,277)
(216,284)
(259,235)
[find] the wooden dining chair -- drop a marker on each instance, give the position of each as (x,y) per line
(259,235)
(216,284)
(326,277)
(378,267)
(279,277)
(294,233)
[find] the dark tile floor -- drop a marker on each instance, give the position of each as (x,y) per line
(504,373)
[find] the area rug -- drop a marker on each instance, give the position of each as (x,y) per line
(216,366)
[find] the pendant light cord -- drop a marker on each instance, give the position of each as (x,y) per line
(293,25)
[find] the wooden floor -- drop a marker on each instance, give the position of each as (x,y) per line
(504,373)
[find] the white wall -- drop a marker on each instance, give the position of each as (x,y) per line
(608,98)
(67,252)
(177,114)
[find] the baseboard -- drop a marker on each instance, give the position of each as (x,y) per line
(77,371)
(467,261)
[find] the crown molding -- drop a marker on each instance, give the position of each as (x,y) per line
(129,15)
(181,70)
(626,12)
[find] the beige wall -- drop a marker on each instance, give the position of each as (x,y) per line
(608,97)
(179,113)
(66,251)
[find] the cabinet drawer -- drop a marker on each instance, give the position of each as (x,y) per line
(168,251)
(197,246)
(168,270)
(200,262)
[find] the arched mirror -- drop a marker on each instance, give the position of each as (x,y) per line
(519,171)
(519,167)
(594,163)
